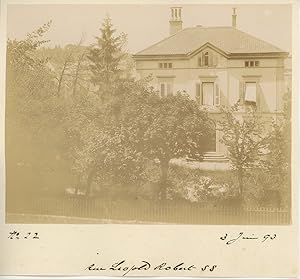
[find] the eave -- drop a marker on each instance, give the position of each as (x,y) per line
(256,55)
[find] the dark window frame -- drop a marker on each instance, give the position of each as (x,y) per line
(206,59)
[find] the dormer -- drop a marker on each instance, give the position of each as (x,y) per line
(207,58)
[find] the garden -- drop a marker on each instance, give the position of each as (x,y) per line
(86,138)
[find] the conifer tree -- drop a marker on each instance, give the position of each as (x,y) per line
(105,57)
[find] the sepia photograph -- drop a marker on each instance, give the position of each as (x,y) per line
(148,114)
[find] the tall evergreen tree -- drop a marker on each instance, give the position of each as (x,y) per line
(105,57)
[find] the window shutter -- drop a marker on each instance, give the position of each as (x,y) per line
(215,60)
(198,93)
(257,96)
(203,58)
(210,59)
(242,93)
(217,96)
(162,90)
(199,61)
(169,89)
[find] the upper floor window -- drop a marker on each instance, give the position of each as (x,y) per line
(207,59)
(251,63)
(165,65)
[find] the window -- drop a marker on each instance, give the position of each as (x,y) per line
(250,93)
(206,59)
(166,89)
(165,65)
(251,64)
(208,93)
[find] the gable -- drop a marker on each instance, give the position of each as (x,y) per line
(206,56)
(208,47)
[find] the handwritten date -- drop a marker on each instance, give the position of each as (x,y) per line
(21,235)
(242,236)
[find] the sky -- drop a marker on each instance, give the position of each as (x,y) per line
(146,24)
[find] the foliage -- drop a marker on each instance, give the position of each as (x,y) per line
(105,58)
(33,115)
(245,136)
(197,185)
(165,128)
(278,161)
(83,119)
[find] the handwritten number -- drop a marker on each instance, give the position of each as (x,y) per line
(36,236)
(17,235)
(223,237)
(268,236)
(213,267)
(204,268)
(28,234)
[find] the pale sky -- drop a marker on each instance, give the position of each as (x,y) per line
(147,24)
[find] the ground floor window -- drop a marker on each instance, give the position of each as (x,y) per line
(166,89)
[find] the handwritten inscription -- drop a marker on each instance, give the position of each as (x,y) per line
(20,235)
(124,268)
(242,236)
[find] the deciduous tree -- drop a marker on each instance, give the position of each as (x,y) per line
(245,136)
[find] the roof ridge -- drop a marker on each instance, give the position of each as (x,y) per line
(201,26)
(163,40)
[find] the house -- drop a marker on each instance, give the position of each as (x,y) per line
(216,66)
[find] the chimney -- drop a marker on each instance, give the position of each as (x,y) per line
(175,21)
(234,17)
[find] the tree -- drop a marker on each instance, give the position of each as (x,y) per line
(245,136)
(102,147)
(94,137)
(33,114)
(278,161)
(166,128)
(77,77)
(105,57)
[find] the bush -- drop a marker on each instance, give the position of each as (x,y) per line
(197,185)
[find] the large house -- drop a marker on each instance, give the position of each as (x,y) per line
(216,66)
